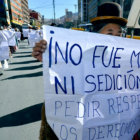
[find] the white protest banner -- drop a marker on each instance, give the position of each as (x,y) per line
(4,49)
(10,37)
(12,40)
(92,85)
(34,37)
(18,35)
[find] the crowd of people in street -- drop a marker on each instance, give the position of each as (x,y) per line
(8,45)
(9,42)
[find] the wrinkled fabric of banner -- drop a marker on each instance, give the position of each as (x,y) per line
(92,85)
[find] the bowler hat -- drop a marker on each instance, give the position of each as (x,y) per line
(109,12)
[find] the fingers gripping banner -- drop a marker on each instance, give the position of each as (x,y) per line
(92,85)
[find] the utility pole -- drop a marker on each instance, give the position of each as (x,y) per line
(75,7)
(54,9)
(7,12)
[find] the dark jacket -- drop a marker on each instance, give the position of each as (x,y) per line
(46,133)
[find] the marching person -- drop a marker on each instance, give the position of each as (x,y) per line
(4,62)
(109,22)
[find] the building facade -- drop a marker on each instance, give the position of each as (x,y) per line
(68,16)
(4,13)
(25,11)
(92,9)
(102,1)
(35,18)
(87,9)
(126,7)
(83,10)
(15,12)
(79,11)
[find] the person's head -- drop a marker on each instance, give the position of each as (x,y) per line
(110,29)
(109,20)
(39,32)
(4,27)
(53,24)
(16,29)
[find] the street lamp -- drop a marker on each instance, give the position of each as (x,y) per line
(75,15)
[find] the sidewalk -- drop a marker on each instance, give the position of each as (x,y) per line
(21,96)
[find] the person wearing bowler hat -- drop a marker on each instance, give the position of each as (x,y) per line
(108,21)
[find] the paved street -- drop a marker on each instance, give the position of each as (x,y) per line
(21,96)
